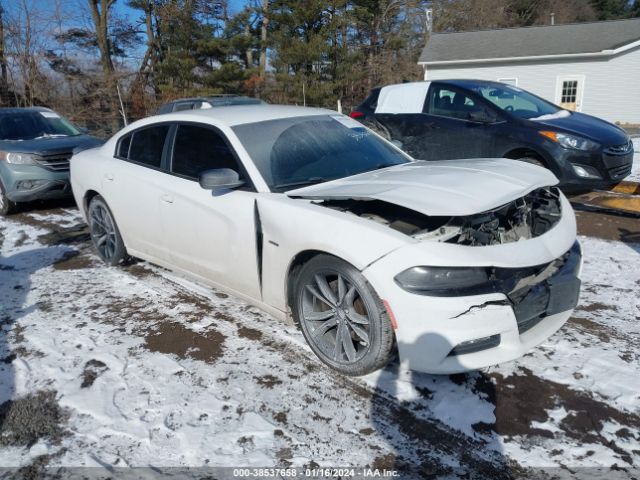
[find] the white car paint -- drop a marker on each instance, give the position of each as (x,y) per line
(174,223)
(450,187)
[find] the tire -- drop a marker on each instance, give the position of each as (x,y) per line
(533,161)
(332,300)
(104,233)
(7,207)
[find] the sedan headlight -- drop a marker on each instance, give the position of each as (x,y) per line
(445,281)
(570,141)
(18,158)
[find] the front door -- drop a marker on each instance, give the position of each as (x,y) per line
(210,234)
(569,92)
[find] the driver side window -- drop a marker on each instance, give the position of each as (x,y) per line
(197,149)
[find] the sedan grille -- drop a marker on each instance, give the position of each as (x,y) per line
(58,162)
(620,149)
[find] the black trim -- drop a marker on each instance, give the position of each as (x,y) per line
(475,346)
(259,241)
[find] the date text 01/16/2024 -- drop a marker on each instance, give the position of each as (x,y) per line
(337,473)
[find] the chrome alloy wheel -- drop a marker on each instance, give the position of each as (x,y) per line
(336,317)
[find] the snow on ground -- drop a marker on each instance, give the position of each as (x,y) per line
(635,170)
(152,369)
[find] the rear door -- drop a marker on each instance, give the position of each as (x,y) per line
(211,235)
(132,185)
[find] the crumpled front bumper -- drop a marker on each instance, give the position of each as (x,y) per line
(437,334)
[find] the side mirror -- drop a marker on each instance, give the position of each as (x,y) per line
(220,179)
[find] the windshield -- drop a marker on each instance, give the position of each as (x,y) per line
(295,152)
(32,125)
(516,101)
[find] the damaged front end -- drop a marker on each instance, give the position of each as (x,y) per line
(524,218)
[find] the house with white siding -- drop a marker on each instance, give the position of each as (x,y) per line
(593,68)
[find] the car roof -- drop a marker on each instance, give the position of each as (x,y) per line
(469,82)
(240,114)
(14,110)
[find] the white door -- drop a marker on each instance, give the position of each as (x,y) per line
(570,91)
(211,235)
(133,186)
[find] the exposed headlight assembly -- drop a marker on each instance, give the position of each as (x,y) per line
(570,141)
(18,158)
(463,281)
(441,281)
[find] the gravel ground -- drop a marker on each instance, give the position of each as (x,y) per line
(136,366)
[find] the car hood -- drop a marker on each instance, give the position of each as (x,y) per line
(50,146)
(590,127)
(451,187)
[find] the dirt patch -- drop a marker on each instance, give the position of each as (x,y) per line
(22,238)
(64,236)
(523,399)
(268,381)
(26,420)
(608,227)
(74,260)
(250,333)
(590,327)
(176,339)
(92,370)
(596,307)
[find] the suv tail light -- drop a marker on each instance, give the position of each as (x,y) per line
(356,114)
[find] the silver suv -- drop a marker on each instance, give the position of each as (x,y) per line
(35,147)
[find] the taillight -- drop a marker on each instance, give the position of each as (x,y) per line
(356,114)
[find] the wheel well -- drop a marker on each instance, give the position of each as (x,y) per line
(525,153)
(294,267)
(88,197)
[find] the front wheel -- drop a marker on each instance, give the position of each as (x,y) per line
(341,316)
(104,233)
(7,207)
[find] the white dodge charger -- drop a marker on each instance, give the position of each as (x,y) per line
(457,265)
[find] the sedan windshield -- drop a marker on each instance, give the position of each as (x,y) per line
(516,101)
(295,152)
(32,125)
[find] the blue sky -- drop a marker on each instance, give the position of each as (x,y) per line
(122,8)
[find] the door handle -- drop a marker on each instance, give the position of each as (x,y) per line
(166,198)
(108,177)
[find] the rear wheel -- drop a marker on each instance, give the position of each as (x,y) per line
(104,233)
(7,207)
(341,316)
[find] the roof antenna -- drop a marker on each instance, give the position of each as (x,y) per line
(553,18)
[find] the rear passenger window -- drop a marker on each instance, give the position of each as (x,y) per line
(123,147)
(147,144)
(197,149)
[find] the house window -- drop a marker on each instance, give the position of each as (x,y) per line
(509,81)
(569,91)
